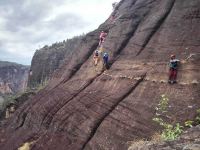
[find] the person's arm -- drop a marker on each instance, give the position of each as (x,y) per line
(177,60)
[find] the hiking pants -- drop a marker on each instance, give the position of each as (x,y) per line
(101,40)
(105,62)
(96,60)
(172,74)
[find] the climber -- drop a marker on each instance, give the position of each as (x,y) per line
(173,68)
(105,60)
(96,57)
(102,37)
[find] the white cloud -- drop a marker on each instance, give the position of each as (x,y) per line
(26,25)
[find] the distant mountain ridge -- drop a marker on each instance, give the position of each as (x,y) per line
(13,77)
(7,63)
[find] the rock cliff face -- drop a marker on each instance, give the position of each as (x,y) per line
(85,107)
(13,77)
(13,80)
(49,58)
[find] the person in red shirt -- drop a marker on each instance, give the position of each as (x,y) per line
(102,37)
(173,69)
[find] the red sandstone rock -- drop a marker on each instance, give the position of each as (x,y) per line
(84,108)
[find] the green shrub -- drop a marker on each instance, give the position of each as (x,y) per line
(189,123)
(196,121)
(170,132)
(8,100)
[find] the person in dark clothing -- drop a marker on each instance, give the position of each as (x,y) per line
(173,69)
(105,60)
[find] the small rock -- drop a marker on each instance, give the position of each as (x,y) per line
(190,106)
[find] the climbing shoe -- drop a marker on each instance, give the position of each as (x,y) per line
(174,82)
(170,82)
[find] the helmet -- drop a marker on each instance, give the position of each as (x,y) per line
(105,54)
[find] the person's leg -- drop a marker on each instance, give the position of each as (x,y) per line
(103,39)
(106,63)
(170,75)
(174,75)
(96,61)
(100,41)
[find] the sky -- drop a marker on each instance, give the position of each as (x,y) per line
(27,25)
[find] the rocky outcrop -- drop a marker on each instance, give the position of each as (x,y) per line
(50,58)
(85,107)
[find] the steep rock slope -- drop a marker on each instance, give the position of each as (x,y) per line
(84,107)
